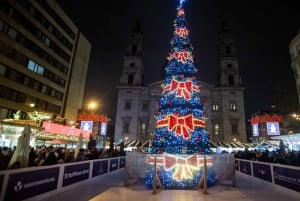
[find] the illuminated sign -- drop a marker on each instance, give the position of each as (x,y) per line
(273,128)
(87,125)
(103,128)
(92,117)
(266,118)
(53,128)
(255,130)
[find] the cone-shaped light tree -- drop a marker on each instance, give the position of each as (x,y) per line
(180,134)
(180,125)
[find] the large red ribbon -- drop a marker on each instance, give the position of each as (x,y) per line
(182,167)
(182,126)
(182,89)
(182,32)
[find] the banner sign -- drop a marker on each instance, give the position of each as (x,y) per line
(113,165)
(76,173)
(52,128)
(100,167)
(245,167)
(236,165)
(92,117)
(287,177)
(122,162)
(28,184)
(262,171)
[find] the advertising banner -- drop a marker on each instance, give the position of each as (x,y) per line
(103,128)
(273,128)
(100,167)
(287,177)
(122,162)
(76,173)
(87,126)
(255,131)
(113,164)
(245,167)
(28,184)
(262,171)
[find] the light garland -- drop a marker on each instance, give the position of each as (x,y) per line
(182,168)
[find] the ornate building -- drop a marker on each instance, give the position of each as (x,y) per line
(137,104)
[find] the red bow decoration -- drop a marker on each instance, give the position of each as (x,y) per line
(180,12)
(182,126)
(182,56)
(184,89)
(183,32)
(183,167)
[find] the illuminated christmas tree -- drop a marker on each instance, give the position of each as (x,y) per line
(180,125)
(180,134)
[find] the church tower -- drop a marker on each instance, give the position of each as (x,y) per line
(132,118)
(228,109)
(228,75)
(133,67)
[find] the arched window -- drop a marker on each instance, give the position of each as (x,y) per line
(217,129)
(130,79)
(230,80)
(228,49)
(134,50)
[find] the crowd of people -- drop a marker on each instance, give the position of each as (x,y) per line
(280,156)
(49,155)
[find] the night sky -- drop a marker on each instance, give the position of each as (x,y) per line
(262,31)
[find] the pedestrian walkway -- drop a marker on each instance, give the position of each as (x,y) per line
(111,188)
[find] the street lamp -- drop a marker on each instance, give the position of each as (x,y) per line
(92,106)
(296,116)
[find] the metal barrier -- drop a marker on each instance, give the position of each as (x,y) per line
(44,181)
(284,175)
(138,166)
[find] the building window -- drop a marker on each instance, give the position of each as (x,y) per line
(2,69)
(217,129)
(21,98)
(127,105)
(228,49)
(47,41)
(44,89)
(130,79)
(143,128)
(12,33)
(126,127)
(145,106)
(232,106)
(134,50)
(230,80)
(234,129)
(215,107)
(35,67)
